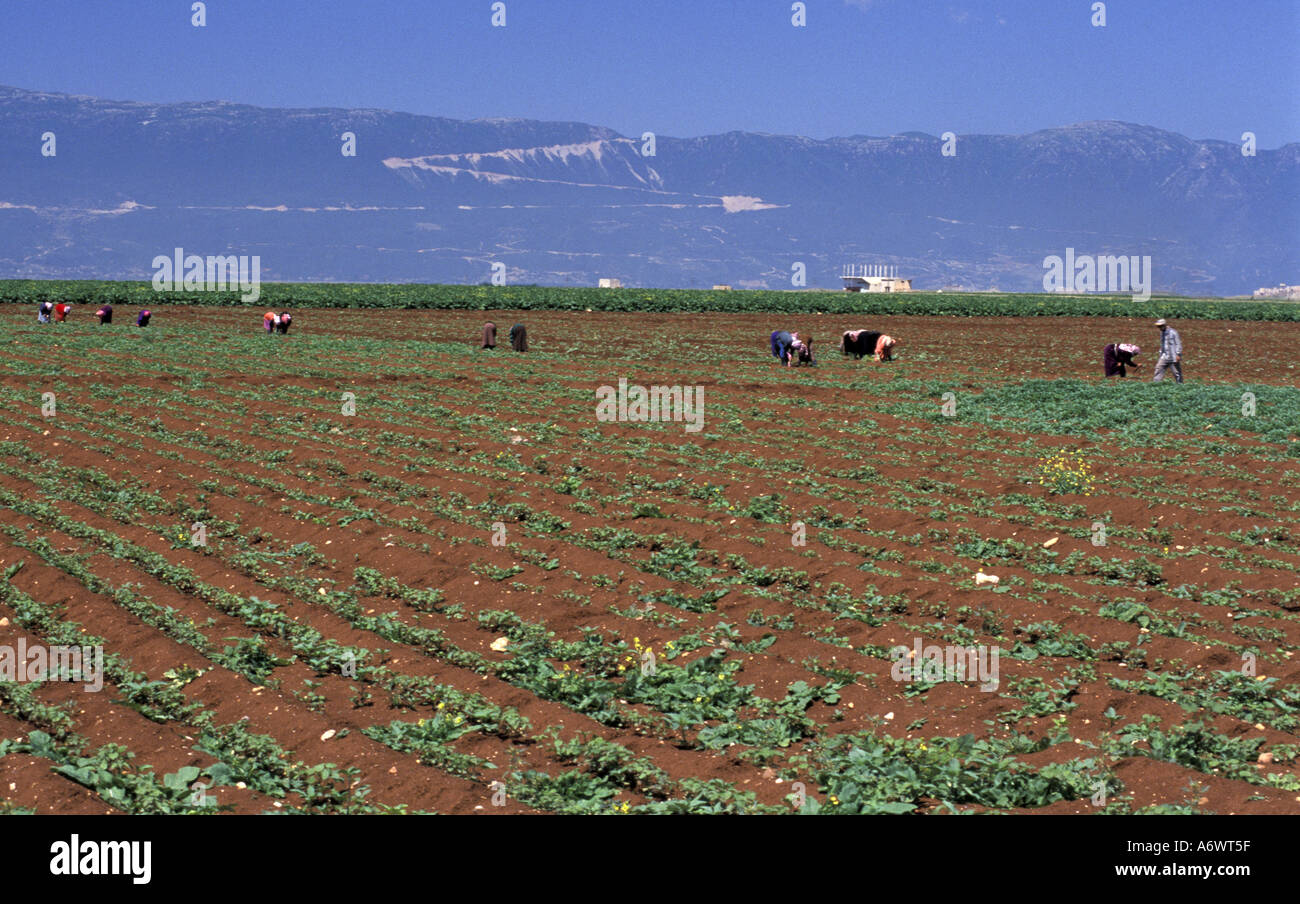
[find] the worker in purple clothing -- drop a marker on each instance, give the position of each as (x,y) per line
(791,350)
(1171,353)
(1117,356)
(781,342)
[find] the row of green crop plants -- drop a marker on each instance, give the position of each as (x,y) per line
(502,464)
(256,663)
(526,298)
(988,776)
(393,445)
(581,688)
(1228,555)
(323,787)
(495,621)
(240,757)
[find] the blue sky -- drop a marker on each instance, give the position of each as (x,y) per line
(1204,68)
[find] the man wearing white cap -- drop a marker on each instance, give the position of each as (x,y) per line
(1171,353)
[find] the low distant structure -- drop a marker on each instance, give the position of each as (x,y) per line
(610,284)
(874,278)
(721,288)
(1291,293)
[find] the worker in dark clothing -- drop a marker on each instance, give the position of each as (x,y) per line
(1118,356)
(519,337)
(859,343)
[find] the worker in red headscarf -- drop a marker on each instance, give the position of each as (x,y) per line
(885,348)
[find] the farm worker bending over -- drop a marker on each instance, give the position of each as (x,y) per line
(791,349)
(105,314)
(44,311)
(1117,356)
(61,312)
(142,319)
(519,337)
(489,335)
(269,321)
(802,350)
(859,342)
(781,342)
(884,348)
(283,322)
(1171,353)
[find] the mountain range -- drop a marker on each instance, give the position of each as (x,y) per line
(427,199)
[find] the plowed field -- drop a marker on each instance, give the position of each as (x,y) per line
(367,567)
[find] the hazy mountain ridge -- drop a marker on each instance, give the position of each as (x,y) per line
(438,200)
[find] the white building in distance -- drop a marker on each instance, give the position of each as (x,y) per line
(610,284)
(874,278)
(1282,291)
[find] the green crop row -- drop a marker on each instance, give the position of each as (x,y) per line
(539,298)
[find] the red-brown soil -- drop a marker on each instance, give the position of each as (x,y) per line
(443,432)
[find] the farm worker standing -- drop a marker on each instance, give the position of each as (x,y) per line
(1117,356)
(44,311)
(61,312)
(105,314)
(269,320)
(519,337)
(489,335)
(283,322)
(1171,353)
(142,319)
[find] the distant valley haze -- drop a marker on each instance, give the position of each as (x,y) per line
(427,199)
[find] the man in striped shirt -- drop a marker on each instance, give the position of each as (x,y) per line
(1171,353)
